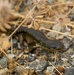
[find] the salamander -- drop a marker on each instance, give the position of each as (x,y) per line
(40,38)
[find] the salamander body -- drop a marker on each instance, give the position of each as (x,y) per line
(41,38)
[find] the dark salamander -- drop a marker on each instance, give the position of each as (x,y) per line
(41,38)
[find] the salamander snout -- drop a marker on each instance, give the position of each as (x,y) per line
(54,44)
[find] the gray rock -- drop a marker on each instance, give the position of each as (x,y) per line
(51,1)
(38,65)
(71,17)
(50,69)
(66,42)
(19,70)
(27,2)
(4,60)
(71,62)
(69,71)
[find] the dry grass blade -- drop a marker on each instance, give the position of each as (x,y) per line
(44,21)
(2,28)
(5,53)
(69,24)
(18,15)
(14,23)
(51,22)
(58,32)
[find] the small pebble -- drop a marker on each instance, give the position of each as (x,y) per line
(31,57)
(38,65)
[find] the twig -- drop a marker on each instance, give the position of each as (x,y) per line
(69,12)
(55,68)
(58,32)
(51,22)
(59,4)
(44,21)
(5,53)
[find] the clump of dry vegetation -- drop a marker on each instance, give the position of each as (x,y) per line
(5,14)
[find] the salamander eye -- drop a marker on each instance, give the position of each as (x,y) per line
(54,47)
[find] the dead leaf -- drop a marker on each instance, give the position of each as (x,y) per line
(31,25)
(61,69)
(6,44)
(72,31)
(47,73)
(3,71)
(36,25)
(11,65)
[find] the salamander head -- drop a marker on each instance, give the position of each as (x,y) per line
(54,44)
